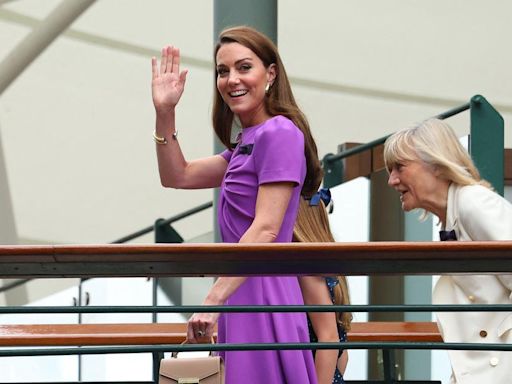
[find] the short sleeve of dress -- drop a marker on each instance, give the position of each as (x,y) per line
(279,153)
(226,155)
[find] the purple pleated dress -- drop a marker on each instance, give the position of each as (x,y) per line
(267,153)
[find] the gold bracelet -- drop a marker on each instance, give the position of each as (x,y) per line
(158,139)
(163,140)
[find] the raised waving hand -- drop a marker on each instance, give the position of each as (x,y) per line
(167,81)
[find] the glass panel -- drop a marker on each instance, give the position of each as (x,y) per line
(115,292)
(42,368)
(350,223)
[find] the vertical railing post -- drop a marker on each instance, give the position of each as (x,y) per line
(389,365)
(333,171)
(486,143)
(165,233)
(157,357)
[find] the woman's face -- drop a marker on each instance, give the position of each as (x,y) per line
(417,183)
(241,81)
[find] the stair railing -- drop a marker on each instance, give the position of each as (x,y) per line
(486,144)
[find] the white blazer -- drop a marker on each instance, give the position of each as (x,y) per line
(477,213)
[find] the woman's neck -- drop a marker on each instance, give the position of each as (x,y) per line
(254,118)
(438,201)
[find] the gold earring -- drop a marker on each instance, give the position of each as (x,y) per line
(267,88)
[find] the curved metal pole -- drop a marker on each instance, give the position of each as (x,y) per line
(40,38)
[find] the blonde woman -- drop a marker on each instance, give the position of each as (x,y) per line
(312,225)
(432,171)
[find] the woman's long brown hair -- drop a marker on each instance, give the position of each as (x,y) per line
(279,100)
(312,226)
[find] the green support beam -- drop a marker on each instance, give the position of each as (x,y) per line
(486,143)
(262,15)
(333,171)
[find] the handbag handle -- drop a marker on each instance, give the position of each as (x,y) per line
(186,341)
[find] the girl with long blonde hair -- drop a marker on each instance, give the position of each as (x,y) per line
(312,225)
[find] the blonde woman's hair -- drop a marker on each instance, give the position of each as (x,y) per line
(434,143)
(312,226)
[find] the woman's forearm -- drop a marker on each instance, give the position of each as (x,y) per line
(315,292)
(343,361)
(171,162)
(325,365)
(259,233)
(270,210)
(222,289)
(271,205)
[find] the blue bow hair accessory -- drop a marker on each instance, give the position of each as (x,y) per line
(323,194)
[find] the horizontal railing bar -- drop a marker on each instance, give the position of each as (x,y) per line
(371,144)
(454,111)
(168,221)
(253,347)
(261,308)
(355,150)
(371,258)
(129,237)
(134,235)
(185,214)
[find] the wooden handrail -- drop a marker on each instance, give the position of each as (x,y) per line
(255,259)
(365,163)
(174,333)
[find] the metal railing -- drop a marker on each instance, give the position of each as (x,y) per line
(250,259)
(163,222)
(159,224)
(486,144)
(483,116)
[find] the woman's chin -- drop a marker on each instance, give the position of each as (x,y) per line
(406,207)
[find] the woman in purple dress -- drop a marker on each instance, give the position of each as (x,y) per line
(275,161)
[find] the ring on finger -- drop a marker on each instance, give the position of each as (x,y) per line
(200,333)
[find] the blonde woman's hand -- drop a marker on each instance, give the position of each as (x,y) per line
(167,82)
(201,327)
